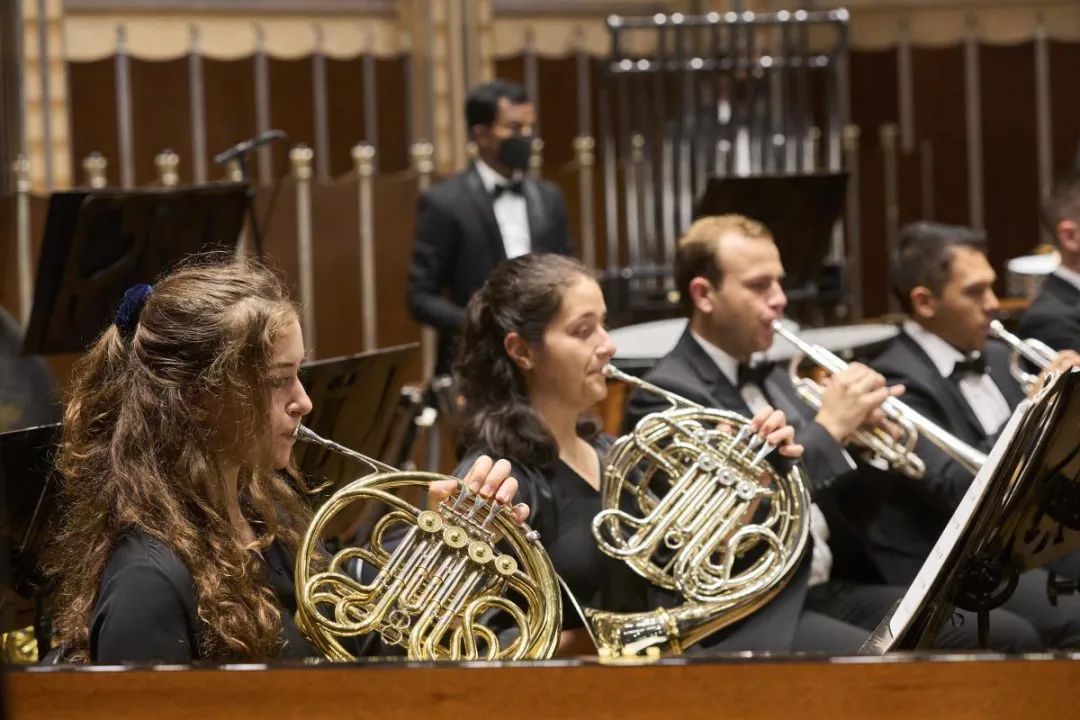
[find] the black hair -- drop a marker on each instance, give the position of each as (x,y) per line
(923,257)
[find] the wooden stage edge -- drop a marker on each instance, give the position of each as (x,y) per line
(941,686)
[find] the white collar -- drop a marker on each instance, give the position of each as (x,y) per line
(727,364)
(490,177)
(942,354)
(1070,276)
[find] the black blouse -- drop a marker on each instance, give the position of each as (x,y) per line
(562,506)
(146,608)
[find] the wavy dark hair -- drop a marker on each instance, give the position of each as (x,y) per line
(523,295)
(923,257)
(139,453)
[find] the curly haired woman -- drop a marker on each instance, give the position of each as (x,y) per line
(182,514)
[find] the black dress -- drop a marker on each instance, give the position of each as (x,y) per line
(146,608)
(562,506)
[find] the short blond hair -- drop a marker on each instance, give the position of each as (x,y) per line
(698,252)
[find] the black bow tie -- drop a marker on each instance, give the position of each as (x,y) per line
(514,186)
(974,362)
(752,374)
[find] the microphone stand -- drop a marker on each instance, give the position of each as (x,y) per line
(251,194)
(239,152)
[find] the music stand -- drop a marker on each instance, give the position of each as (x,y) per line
(799,210)
(353,403)
(99,243)
(1021,512)
(28,505)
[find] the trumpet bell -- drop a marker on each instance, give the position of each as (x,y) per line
(1032,350)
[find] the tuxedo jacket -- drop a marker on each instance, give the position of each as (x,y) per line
(1054,315)
(458,245)
(688,371)
(913,516)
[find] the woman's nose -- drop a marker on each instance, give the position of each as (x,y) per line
(301,404)
(607,345)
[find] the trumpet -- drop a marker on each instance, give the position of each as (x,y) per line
(689,505)
(1034,351)
(434,589)
(899,454)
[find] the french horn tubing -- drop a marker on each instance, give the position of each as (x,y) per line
(438,576)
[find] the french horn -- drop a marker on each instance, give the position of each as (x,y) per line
(690,504)
(437,575)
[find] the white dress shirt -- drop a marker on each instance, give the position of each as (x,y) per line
(754,397)
(510,212)
(979,391)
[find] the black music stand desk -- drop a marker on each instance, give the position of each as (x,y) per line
(99,243)
(353,403)
(1021,512)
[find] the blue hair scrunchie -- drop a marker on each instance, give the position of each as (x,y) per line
(127,315)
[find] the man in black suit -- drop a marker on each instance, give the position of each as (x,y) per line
(959,379)
(476,219)
(1054,315)
(728,272)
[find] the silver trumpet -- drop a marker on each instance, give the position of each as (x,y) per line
(898,453)
(1034,351)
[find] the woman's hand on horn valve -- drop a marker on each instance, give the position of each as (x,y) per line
(772,426)
(488,478)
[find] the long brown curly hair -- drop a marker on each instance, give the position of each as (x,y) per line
(139,453)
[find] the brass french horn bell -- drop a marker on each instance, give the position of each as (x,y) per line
(437,576)
(690,504)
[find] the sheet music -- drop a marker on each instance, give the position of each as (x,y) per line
(916,594)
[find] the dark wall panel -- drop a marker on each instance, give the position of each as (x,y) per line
(873,104)
(291,104)
(393,89)
(1010,159)
(1065,104)
(92,109)
(940,118)
(160,116)
(229,87)
(345,111)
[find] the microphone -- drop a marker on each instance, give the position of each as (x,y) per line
(242,148)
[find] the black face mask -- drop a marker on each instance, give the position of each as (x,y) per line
(514,152)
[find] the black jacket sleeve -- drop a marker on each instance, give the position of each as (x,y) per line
(435,249)
(562,230)
(824,459)
(945,480)
(1061,331)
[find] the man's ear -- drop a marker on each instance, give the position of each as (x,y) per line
(701,295)
(923,303)
(521,354)
(480,134)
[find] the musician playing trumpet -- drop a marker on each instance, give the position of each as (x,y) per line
(959,378)
(728,272)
